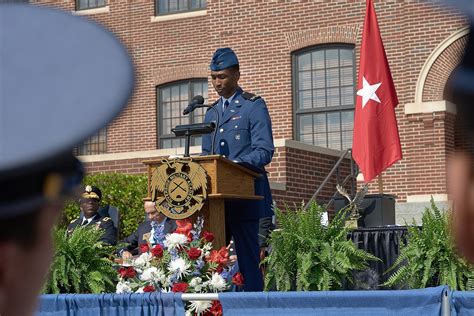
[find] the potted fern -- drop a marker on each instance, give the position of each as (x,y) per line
(429,258)
(81,263)
(309,256)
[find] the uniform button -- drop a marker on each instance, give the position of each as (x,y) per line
(222,143)
(221,130)
(236,101)
(224,156)
(236,126)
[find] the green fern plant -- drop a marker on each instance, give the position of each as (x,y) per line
(308,256)
(429,258)
(81,263)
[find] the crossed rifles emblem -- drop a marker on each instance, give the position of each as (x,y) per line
(179,187)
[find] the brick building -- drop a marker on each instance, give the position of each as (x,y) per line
(302,57)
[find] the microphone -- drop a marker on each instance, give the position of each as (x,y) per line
(192,105)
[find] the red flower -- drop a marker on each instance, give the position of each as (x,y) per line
(221,257)
(184,227)
(207,236)
(128,272)
(149,288)
(216,308)
(180,287)
(144,248)
(157,251)
(194,253)
(238,279)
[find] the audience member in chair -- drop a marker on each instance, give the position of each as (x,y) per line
(147,232)
(89,204)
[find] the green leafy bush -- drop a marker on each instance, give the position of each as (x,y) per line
(430,258)
(81,263)
(126,192)
(309,256)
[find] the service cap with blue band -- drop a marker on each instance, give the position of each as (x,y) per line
(62,79)
(223,58)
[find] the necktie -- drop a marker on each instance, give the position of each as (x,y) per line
(226,104)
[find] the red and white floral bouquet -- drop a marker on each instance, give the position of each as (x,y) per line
(185,262)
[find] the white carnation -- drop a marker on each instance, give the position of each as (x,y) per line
(151,274)
(143,260)
(196,283)
(217,282)
(123,287)
(200,307)
(173,240)
(140,290)
(179,267)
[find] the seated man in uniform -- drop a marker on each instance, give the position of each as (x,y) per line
(89,204)
(145,233)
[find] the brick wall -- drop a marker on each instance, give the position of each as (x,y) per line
(265,34)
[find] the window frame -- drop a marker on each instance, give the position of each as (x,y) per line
(157,13)
(159,111)
(90,8)
(322,110)
(104,132)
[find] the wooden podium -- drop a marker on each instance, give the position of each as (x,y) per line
(226,181)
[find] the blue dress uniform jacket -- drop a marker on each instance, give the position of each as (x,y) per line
(142,235)
(110,232)
(244,134)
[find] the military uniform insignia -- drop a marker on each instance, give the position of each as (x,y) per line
(106,219)
(250,96)
(179,187)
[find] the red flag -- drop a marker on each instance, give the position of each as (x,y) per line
(376,145)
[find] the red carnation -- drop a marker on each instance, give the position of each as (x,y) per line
(194,253)
(157,251)
(238,279)
(180,287)
(144,248)
(209,237)
(216,308)
(149,288)
(128,272)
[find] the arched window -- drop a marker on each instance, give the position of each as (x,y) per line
(172,100)
(324,95)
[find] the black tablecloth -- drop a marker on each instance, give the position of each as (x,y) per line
(384,243)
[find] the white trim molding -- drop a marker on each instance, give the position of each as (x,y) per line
(279,186)
(420,85)
(177,16)
(105,9)
(306,147)
(426,198)
(430,107)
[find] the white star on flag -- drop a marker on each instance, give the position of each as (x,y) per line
(368,92)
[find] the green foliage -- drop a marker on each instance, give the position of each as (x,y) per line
(309,256)
(126,192)
(430,258)
(81,263)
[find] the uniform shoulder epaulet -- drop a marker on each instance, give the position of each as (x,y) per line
(73,220)
(106,219)
(250,96)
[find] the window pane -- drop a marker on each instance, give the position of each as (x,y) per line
(347,57)
(163,6)
(334,140)
(320,140)
(182,5)
(319,121)
(334,122)
(347,120)
(304,62)
(332,77)
(319,98)
(347,76)
(197,141)
(332,58)
(306,138)
(318,59)
(305,99)
(166,143)
(306,124)
(319,79)
(347,95)
(347,139)
(304,80)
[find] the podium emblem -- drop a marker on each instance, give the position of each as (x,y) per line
(179,187)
